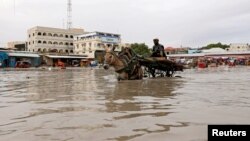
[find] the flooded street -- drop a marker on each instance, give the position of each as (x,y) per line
(85,104)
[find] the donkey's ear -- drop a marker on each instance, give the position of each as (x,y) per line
(113,48)
(105,47)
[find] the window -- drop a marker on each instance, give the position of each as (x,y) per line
(39,33)
(61,35)
(71,44)
(90,51)
(39,42)
(50,42)
(53,50)
(61,43)
(71,36)
(55,43)
(29,43)
(44,42)
(116,36)
(33,34)
(49,34)
(55,35)
(44,34)
(29,35)
(66,44)
(66,36)
(90,44)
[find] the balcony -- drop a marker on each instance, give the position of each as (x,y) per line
(52,38)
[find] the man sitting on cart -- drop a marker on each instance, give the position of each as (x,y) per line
(158,49)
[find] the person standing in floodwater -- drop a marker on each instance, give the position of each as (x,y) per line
(158,49)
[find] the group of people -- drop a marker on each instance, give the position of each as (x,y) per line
(158,49)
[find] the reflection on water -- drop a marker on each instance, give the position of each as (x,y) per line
(85,104)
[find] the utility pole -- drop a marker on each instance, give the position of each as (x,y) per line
(14,3)
(69,15)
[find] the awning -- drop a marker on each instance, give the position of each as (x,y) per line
(23,55)
(66,57)
(217,57)
(84,60)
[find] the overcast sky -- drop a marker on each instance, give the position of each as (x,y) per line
(191,23)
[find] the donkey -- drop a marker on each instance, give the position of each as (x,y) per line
(125,63)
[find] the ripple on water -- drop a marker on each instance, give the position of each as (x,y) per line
(84,104)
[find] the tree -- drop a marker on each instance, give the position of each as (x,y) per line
(141,49)
(217,45)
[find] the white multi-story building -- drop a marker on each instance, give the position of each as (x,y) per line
(92,44)
(47,39)
(239,47)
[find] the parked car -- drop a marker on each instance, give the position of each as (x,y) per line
(23,64)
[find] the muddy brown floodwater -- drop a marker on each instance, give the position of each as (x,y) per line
(90,105)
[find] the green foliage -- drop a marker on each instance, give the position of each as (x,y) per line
(141,49)
(217,45)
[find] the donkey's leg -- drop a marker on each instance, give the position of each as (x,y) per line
(140,73)
(122,76)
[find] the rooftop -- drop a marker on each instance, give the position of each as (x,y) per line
(72,30)
(87,34)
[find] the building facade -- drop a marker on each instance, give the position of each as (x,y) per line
(172,50)
(93,44)
(17,45)
(239,47)
(47,39)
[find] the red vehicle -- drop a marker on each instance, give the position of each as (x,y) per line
(23,64)
(231,63)
(202,65)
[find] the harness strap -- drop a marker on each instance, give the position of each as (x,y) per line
(128,67)
(129,64)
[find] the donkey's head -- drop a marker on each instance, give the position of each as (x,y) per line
(109,57)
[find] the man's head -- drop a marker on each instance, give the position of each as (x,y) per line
(156,41)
